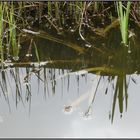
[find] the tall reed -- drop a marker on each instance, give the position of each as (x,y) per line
(8,27)
(123,15)
(12,32)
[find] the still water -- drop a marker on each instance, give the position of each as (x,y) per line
(61,97)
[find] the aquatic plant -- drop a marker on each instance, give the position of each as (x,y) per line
(8,27)
(123,14)
(12,33)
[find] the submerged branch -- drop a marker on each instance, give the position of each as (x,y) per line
(45,35)
(65,42)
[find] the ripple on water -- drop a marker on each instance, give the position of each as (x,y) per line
(86,115)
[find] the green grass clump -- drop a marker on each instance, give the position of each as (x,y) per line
(12,32)
(123,14)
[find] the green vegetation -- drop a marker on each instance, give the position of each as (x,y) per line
(62,17)
(124,20)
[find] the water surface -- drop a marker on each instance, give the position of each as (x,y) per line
(34,95)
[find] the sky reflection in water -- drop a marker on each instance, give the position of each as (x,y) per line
(47,118)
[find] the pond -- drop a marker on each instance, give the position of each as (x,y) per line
(71,85)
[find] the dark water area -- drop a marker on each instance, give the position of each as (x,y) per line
(63,86)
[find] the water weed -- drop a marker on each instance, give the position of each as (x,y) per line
(123,14)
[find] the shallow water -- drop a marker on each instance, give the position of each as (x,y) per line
(36,95)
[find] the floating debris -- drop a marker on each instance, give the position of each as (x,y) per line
(74,105)
(30,31)
(37,64)
(81,72)
(88,45)
(68,109)
(43,63)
